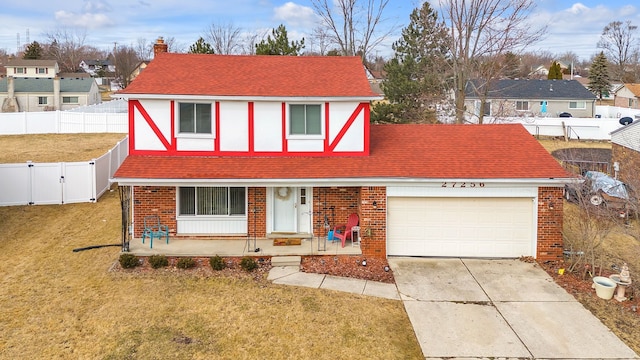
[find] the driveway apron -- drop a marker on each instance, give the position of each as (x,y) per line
(476,308)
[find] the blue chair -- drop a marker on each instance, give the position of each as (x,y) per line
(154,229)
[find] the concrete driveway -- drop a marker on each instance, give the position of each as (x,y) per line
(473,308)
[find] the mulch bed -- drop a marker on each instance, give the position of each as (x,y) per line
(579,284)
(347,266)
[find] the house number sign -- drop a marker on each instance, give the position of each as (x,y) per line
(462,184)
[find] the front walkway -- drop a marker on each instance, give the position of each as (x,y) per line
(240,247)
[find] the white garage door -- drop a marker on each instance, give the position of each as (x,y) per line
(460,227)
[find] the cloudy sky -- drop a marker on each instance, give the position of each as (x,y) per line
(572,26)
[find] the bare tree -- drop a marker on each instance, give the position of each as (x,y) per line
(620,43)
(319,41)
(125,59)
(224,38)
(144,49)
(352,26)
(251,39)
(484,28)
(67,47)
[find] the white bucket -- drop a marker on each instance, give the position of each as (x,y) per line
(605,287)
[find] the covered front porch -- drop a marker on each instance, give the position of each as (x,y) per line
(241,247)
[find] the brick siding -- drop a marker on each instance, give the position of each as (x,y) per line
(629,162)
(550,209)
(336,203)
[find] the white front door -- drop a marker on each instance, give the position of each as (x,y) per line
(291,209)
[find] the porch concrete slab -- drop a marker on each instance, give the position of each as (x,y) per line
(456,330)
(563,330)
(381,290)
(344,284)
(239,247)
(435,280)
(515,280)
(301,279)
(278,272)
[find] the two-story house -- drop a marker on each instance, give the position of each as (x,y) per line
(26,68)
(38,85)
(223,147)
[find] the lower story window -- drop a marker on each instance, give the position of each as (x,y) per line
(522,105)
(42,100)
(224,201)
(577,105)
(69,99)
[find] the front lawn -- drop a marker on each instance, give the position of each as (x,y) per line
(57,303)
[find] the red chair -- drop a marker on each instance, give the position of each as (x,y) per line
(345,229)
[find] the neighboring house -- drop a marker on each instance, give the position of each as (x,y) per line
(93,67)
(625,151)
(23,68)
(628,96)
(32,94)
(517,98)
(138,69)
(267,145)
(539,72)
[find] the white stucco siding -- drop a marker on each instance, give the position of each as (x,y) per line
(234,126)
(267,124)
(159,112)
(339,114)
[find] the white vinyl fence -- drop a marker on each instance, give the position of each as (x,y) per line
(60,183)
(599,128)
(62,122)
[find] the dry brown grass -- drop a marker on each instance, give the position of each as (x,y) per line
(55,147)
(552,144)
(60,304)
(621,244)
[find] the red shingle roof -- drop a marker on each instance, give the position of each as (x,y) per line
(497,151)
(253,75)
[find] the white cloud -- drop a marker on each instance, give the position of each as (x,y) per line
(578,8)
(295,15)
(87,20)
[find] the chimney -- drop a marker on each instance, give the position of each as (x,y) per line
(10,87)
(56,93)
(160,47)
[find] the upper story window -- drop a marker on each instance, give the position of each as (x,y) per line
(41,70)
(221,201)
(577,105)
(194,118)
(522,105)
(69,99)
(305,119)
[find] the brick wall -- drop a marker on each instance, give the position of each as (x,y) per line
(629,162)
(257,212)
(154,200)
(161,201)
(550,209)
(336,203)
(373,221)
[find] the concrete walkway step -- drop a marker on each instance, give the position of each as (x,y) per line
(277,261)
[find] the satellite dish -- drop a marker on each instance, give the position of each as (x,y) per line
(626,120)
